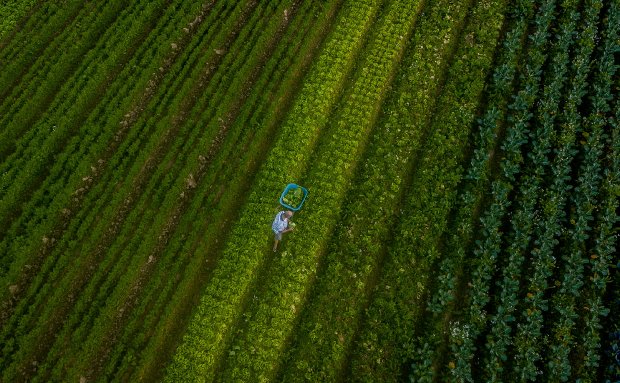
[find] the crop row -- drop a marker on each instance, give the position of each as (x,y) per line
(27,132)
(584,200)
(28,167)
(524,217)
(74,277)
(146,255)
(136,271)
(325,358)
(67,201)
(11,12)
(488,247)
(602,350)
(605,241)
(79,94)
(426,362)
(386,343)
(35,34)
(77,160)
(527,347)
(36,92)
(199,243)
(60,198)
(129,263)
(54,199)
(270,319)
(323,339)
(244,251)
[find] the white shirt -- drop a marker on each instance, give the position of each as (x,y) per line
(279,224)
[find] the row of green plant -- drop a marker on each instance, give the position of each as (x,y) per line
(487,248)
(79,94)
(69,198)
(589,342)
(200,246)
(28,168)
(11,13)
(79,274)
(100,144)
(427,360)
(52,201)
(60,198)
(584,202)
(202,347)
(38,31)
(321,342)
(150,242)
(527,340)
(524,216)
(27,132)
(601,335)
(259,349)
(112,278)
(60,60)
(403,285)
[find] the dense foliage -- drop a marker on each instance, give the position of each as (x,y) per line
(461,158)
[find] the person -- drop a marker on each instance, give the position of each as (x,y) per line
(280,226)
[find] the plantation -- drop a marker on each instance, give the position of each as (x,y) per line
(458,221)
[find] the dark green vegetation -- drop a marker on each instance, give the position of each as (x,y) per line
(461,158)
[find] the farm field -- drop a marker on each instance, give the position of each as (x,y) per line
(462,167)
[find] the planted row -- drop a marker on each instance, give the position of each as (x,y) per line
(66,202)
(527,347)
(524,216)
(270,319)
(75,278)
(139,257)
(11,12)
(427,360)
(200,244)
(323,339)
(584,200)
(197,356)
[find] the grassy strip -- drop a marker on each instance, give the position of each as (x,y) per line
(527,347)
(329,322)
(230,282)
(524,217)
(583,202)
(256,353)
